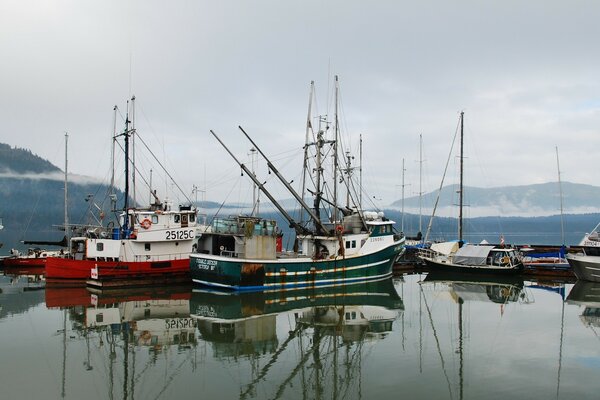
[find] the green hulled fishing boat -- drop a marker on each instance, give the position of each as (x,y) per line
(336,244)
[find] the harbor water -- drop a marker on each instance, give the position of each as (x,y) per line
(416,336)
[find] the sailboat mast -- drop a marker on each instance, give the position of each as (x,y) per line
(402,221)
(66,187)
(562,224)
(420,183)
(460,189)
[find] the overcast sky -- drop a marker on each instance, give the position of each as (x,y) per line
(526,73)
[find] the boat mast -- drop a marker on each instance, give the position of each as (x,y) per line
(460,190)
(306,141)
(293,224)
(402,220)
(254,198)
(133,149)
(335,153)
(318,223)
(562,224)
(360,173)
(420,183)
(66,187)
(112,157)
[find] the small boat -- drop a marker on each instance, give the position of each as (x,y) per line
(34,258)
(472,258)
(148,244)
(456,256)
(353,245)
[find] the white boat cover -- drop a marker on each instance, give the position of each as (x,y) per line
(445,248)
(471,254)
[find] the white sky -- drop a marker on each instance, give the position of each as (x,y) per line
(525,73)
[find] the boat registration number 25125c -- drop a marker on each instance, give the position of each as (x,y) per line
(179,235)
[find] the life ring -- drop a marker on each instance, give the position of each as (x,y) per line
(146,223)
(339,228)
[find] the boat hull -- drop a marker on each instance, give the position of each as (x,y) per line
(244,274)
(472,269)
(585,267)
(69,269)
(38,262)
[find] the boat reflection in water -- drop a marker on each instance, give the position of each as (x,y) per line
(467,288)
(326,330)
(122,329)
(19,293)
(587,294)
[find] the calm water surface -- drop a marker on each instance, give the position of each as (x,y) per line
(415,336)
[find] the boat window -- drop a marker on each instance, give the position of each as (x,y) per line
(184,218)
(348,244)
(192,217)
(176,218)
(99,317)
(155,219)
(354,244)
(147,246)
(99,246)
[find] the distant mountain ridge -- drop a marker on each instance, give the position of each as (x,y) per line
(21,161)
(525,200)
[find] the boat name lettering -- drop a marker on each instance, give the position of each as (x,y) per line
(590,243)
(377,239)
(206,311)
(178,323)
(180,234)
(206,264)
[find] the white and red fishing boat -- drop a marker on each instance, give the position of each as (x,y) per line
(149,243)
(145,243)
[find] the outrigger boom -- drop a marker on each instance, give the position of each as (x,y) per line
(293,224)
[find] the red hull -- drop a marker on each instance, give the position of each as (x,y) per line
(65,268)
(81,296)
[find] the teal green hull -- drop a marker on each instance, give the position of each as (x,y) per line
(240,274)
(240,305)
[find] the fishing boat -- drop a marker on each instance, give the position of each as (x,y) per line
(350,246)
(148,243)
(456,256)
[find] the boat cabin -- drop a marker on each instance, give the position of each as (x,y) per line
(240,237)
